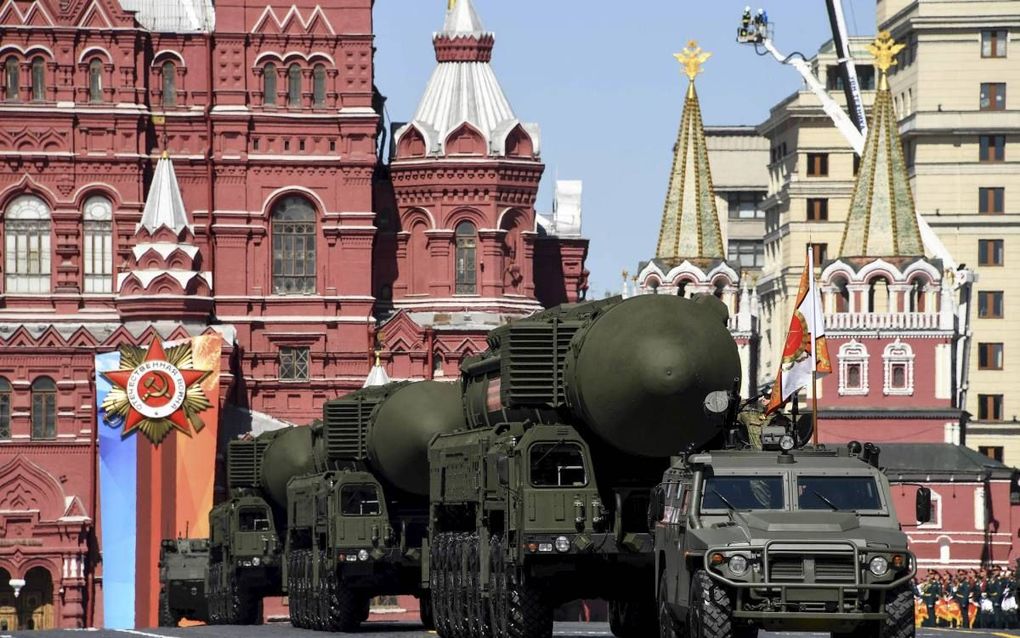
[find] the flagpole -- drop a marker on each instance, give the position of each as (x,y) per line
(814,345)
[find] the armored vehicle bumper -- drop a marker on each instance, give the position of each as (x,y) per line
(187,595)
(809,585)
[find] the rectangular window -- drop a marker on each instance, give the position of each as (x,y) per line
(993,43)
(28,256)
(990,407)
(990,305)
(748,253)
(558,465)
(820,253)
(818,164)
(359,500)
(865,77)
(44,416)
(990,252)
(294,364)
(990,356)
(993,148)
(993,452)
(817,210)
(993,96)
(750,492)
(992,201)
(5,412)
(98,239)
(838,493)
(745,205)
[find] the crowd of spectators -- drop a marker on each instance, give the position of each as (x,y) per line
(968,598)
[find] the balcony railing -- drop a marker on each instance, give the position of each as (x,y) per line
(882,321)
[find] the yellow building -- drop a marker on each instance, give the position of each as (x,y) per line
(961,134)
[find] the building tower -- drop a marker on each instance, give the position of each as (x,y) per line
(890,310)
(468,250)
(690,258)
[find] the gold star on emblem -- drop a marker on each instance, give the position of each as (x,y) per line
(692,57)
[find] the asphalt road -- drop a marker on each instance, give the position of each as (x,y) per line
(408,630)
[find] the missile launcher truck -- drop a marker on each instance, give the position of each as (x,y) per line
(182,569)
(247,530)
(356,530)
(573,415)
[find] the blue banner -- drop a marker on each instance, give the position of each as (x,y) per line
(118,479)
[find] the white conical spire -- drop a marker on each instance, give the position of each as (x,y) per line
(164,206)
(378,375)
(462,19)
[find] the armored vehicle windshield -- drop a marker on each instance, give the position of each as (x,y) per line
(743,493)
(843,492)
(838,493)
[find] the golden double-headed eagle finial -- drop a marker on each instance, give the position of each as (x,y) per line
(884,49)
(450,4)
(692,57)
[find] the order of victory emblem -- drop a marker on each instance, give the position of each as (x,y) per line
(156,391)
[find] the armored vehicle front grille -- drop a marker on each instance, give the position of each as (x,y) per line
(534,363)
(834,569)
(346,427)
(786,569)
(244,463)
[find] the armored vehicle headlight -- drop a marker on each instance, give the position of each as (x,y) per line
(256,561)
(362,554)
(562,544)
(194,591)
(879,566)
(786,443)
(738,564)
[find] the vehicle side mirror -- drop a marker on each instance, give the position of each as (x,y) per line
(503,470)
(656,507)
(923,505)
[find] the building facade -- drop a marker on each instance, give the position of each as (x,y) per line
(268,228)
(960,131)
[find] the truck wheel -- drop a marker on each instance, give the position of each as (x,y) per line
(899,605)
(166,617)
(530,615)
(425,610)
(437,584)
(709,610)
(293,590)
(461,611)
(479,606)
(213,587)
(345,608)
(667,624)
(499,604)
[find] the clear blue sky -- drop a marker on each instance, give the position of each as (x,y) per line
(600,79)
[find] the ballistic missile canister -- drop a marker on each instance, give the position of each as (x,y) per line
(390,427)
(635,372)
(271,459)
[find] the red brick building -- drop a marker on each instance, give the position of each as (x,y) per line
(289,234)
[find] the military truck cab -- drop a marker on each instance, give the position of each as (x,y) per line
(183,563)
(244,559)
(791,541)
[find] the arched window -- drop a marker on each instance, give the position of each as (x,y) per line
(44,409)
(169,84)
(269,84)
(98,238)
(319,85)
(11,79)
(467,266)
(294,85)
(853,369)
(95,81)
(899,369)
(918,296)
(38,79)
(842,295)
(5,409)
(878,295)
(27,260)
(294,264)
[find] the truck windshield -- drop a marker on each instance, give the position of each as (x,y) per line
(743,493)
(557,465)
(253,520)
(359,500)
(838,493)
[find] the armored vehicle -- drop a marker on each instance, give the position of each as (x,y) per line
(573,416)
(782,539)
(182,568)
(246,531)
(356,530)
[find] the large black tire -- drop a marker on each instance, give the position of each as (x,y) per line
(531,616)
(428,621)
(899,604)
(480,627)
(166,616)
(710,609)
(633,618)
(667,623)
(499,600)
(345,609)
(437,585)
(461,611)
(293,590)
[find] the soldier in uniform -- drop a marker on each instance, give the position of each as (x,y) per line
(931,596)
(995,588)
(962,595)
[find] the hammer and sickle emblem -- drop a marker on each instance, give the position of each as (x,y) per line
(161,389)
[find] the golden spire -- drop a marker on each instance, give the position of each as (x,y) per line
(692,57)
(884,50)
